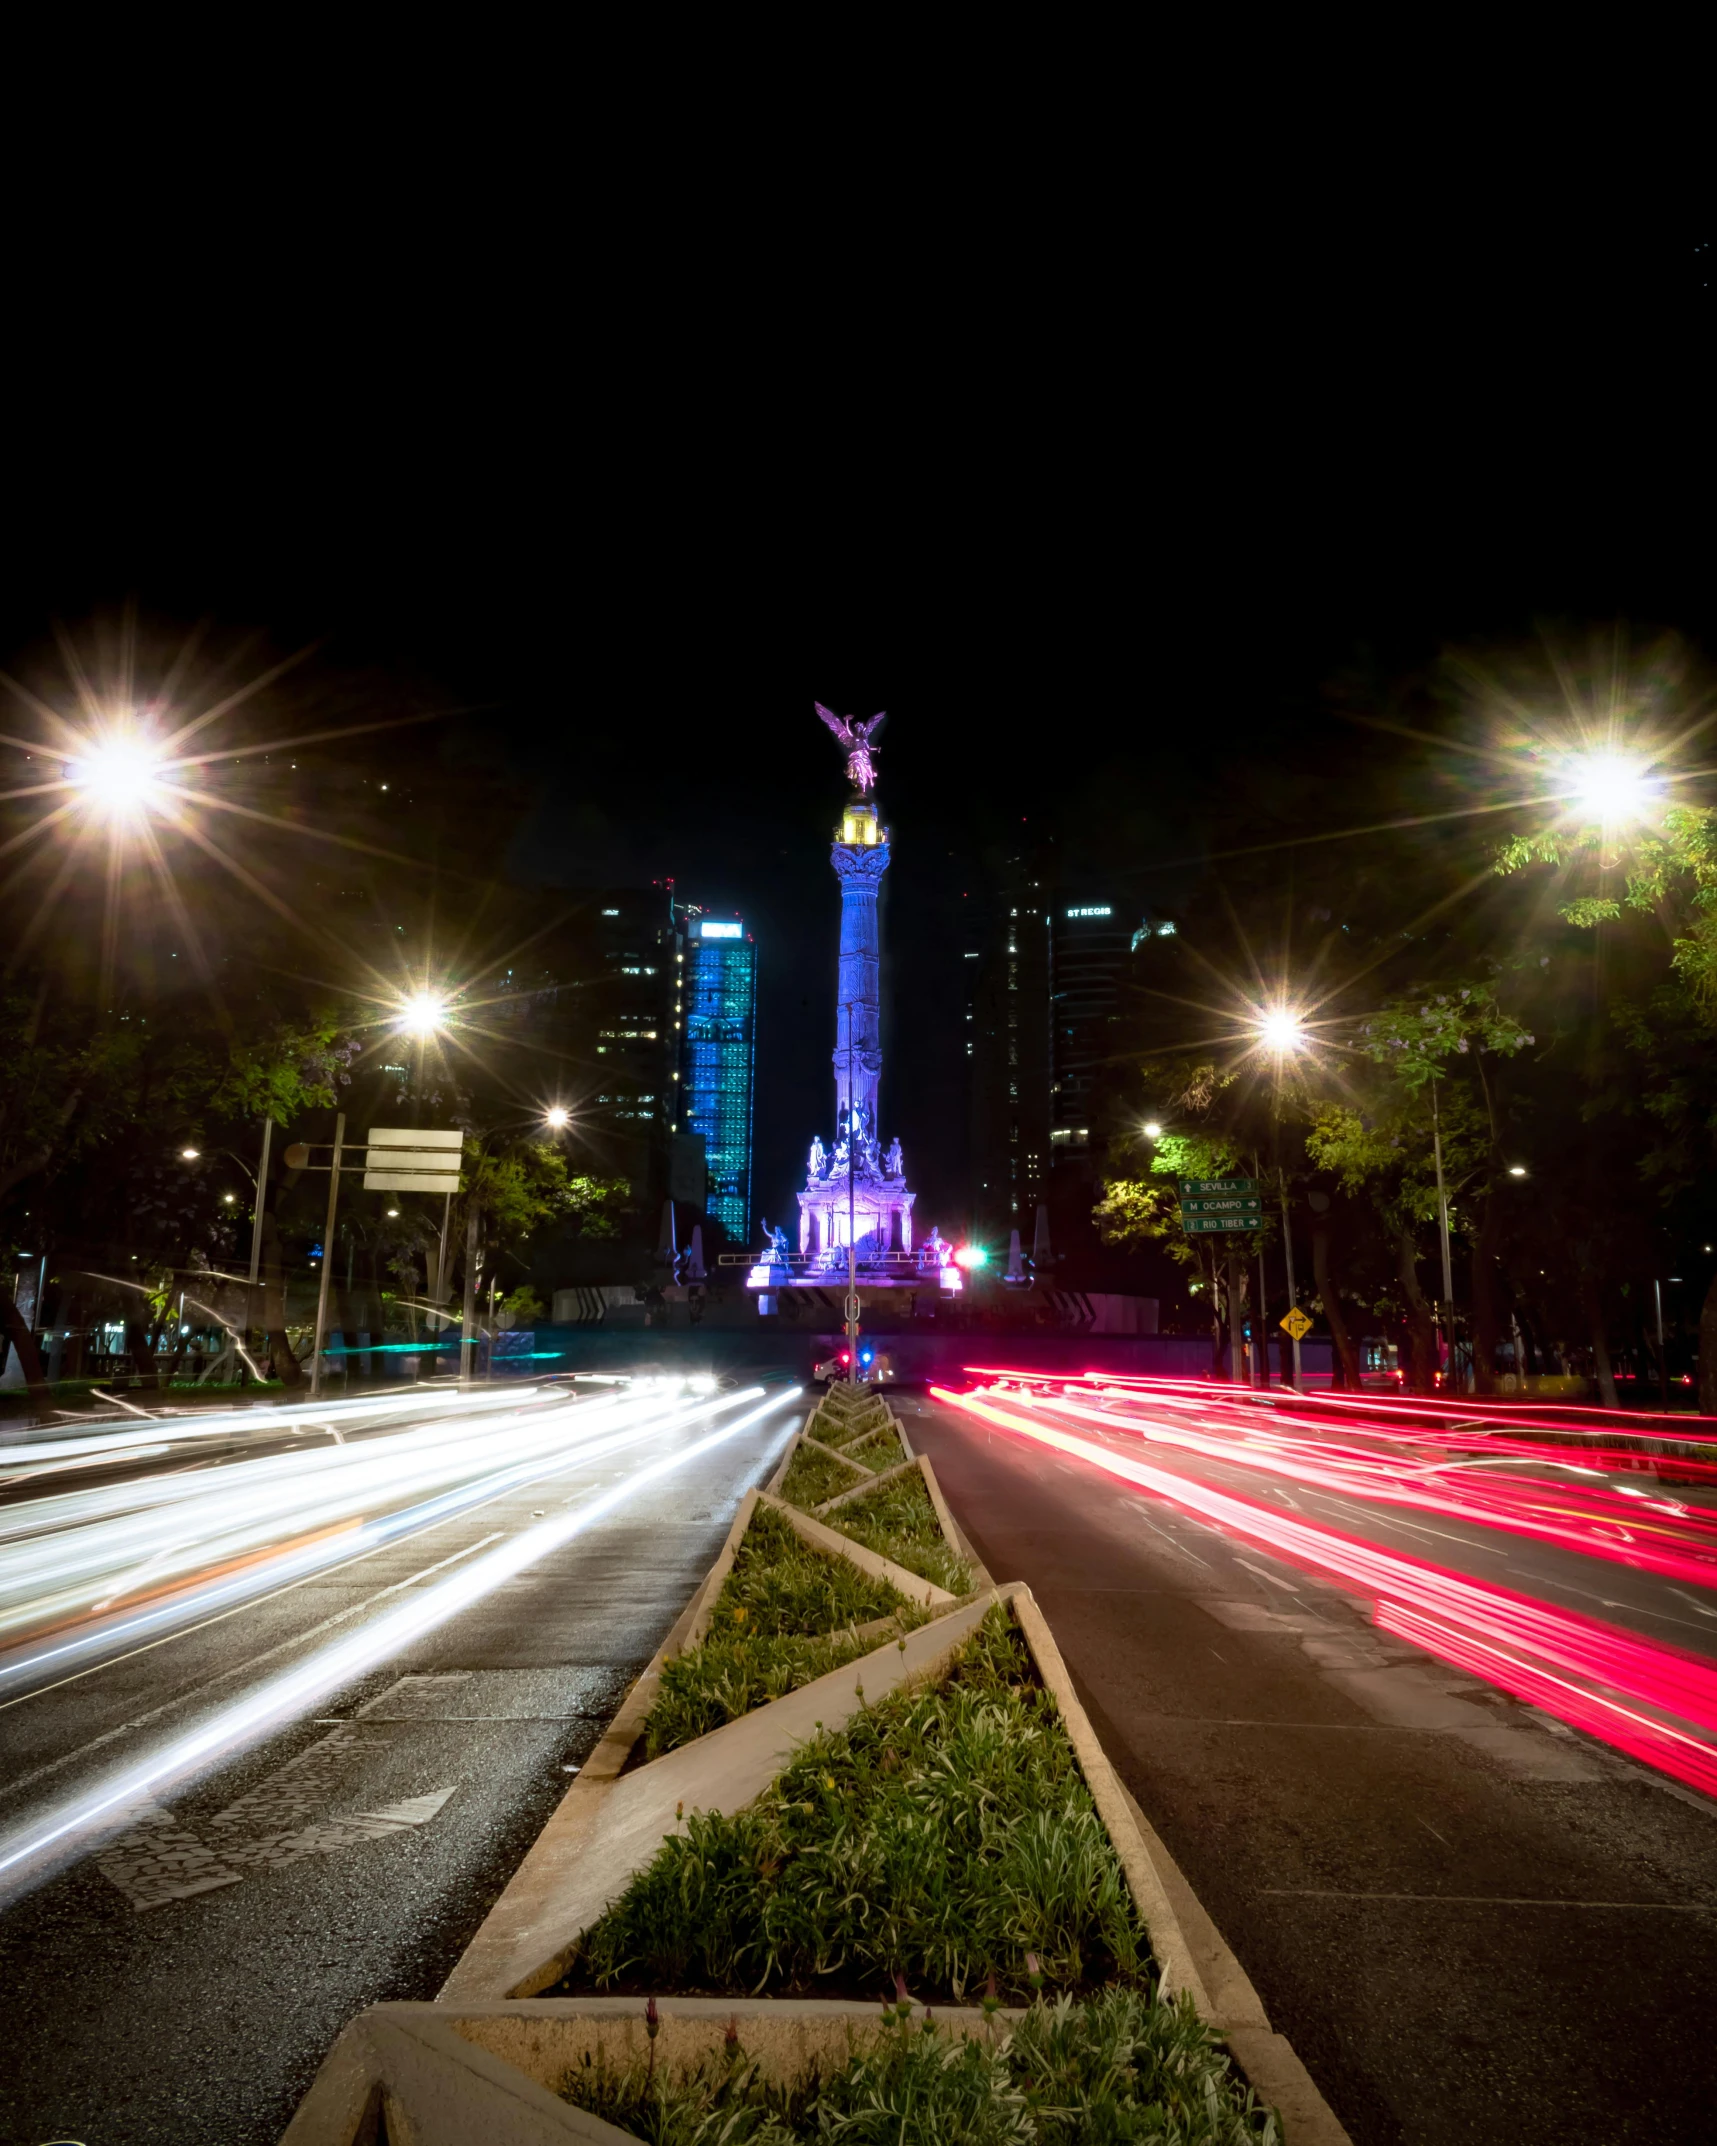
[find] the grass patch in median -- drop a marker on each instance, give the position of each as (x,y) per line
(882,1449)
(898,1521)
(784,1617)
(1121,2067)
(942,1834)
(812,1476)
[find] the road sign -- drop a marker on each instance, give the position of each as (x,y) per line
(1219,1187)
(1222,1207)
(1203,1225)
(1297,1324)
(402,1159)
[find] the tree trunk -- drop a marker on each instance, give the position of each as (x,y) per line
(1708,1352)
(274,1307)
(1346,1362)
(13,1330)
(1421,1326)
(137,1349)
(1592,1298)
(1487,1329)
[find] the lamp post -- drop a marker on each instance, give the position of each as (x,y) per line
(1443,1225)
(327,1258)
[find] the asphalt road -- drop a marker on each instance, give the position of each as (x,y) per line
(182,1973)
(1474,1923)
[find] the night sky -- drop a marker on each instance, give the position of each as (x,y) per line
(1096,551)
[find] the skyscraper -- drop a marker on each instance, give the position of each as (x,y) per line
(717,968)
(1009,1049)
(1090,946)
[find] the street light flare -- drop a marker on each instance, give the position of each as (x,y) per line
(557,1118)
(423,1013)
(1281,1030)
(1611,787)
(117,776)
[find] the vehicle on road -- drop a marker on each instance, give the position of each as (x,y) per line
(876,1367)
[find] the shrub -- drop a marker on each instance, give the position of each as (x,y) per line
(942,1834)
(1122,2067)
(784,1617)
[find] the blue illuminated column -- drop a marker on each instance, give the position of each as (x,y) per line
(860,857)
(856,1192)
(718,1063)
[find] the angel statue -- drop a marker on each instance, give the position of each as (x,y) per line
(858,738)
(892,1164)
(819,1159)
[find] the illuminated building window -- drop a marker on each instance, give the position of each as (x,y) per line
(717,1068)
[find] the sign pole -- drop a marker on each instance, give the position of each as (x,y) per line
(1293,1293)
(468,1326)
(327,1259)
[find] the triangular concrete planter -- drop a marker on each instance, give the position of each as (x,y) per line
(610,1826)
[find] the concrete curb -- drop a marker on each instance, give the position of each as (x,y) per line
(880,1568)
(951,1527)
(773,1486)
(703,1602)
(412,2070)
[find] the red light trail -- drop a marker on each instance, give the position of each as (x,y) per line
(1655,1702)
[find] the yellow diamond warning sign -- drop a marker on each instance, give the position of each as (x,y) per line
(1297,1324)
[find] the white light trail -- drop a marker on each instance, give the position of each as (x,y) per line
(24,1853)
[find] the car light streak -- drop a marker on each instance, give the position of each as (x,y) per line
(1590,1673)
(61,1556)
(75,1823)
(214,1538)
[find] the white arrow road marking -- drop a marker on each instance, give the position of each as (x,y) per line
(159,1860)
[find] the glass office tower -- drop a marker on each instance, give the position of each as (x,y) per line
(718,1062)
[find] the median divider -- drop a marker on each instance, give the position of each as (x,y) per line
(740,1767)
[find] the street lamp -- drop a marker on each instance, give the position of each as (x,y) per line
(189,1154)
(1281,1030)
(1151,1129)
(557,1119)
(116,776)
(1611,787)
(1517,1169)
(423,1013)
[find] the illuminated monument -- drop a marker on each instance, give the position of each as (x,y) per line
(856,1191)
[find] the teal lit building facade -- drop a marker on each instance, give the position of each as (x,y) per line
(718,1062)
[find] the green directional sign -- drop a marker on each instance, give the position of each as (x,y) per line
(1208,1204)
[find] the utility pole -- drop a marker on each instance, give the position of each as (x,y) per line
(1288,1253)
(327,1259)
